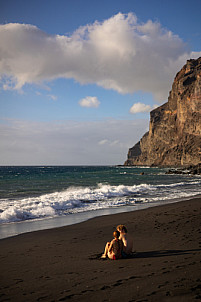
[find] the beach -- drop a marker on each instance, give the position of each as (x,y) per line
(64,263)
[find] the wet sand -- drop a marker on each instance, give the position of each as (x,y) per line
(64,263)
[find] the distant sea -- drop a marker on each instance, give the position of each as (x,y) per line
(35,194)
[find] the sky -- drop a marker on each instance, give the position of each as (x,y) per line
(78,78)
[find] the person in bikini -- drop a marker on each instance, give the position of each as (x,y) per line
(113,249)
(126,239)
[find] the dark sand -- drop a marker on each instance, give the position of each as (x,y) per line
(63,264)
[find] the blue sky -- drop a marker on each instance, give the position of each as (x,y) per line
(79,78)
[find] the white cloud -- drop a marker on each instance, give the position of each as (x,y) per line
(103,142)
(119,53)
(52,97)
(140,107)
(89,101)
(116,142)
(68,143)
(109,142)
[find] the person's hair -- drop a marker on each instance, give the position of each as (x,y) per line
(116,234)
(122,228)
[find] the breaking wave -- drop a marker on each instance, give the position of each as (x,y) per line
(80,199)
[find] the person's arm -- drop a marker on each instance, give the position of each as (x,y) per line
(123,239)
(111,246)
(120,236)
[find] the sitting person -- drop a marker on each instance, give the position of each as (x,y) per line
(126,239)
(113,249)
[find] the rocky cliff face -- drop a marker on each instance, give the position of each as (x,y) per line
(174,137)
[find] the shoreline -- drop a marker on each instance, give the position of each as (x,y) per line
(13,229)
(63,263)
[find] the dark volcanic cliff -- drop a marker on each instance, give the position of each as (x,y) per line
(174,137)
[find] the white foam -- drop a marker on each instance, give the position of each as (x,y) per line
(80,199)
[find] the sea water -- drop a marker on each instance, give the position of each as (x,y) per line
(32,198)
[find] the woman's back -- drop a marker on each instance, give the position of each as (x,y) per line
(117,247)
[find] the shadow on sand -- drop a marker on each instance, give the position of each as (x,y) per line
(150,254)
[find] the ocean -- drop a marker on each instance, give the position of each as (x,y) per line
(33,198)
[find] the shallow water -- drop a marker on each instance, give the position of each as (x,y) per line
(49,195)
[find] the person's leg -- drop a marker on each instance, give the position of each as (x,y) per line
(106,250)
(110,255)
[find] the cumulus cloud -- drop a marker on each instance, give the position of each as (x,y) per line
(119,53)
(68,143)
(140,107)
(89,101)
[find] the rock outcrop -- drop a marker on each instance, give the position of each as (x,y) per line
(174,136)
(191,170)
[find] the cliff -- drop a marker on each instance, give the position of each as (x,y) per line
(174,136)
